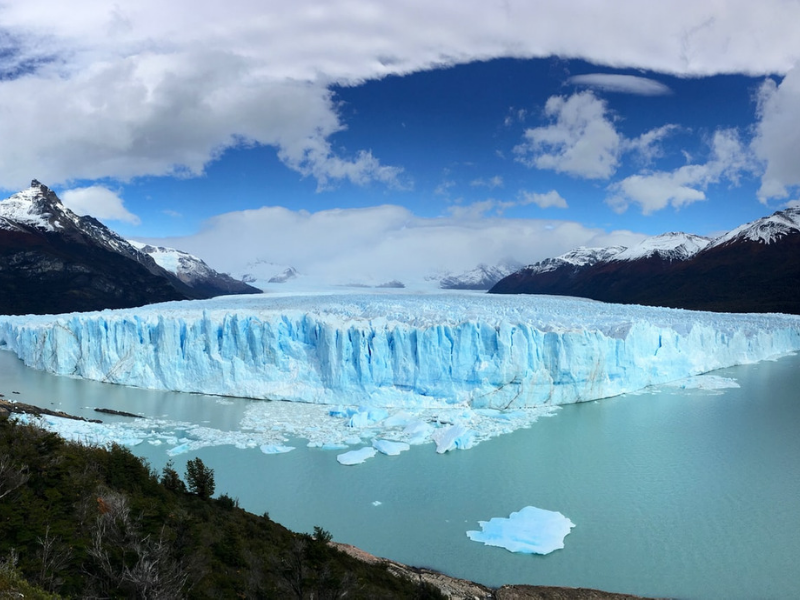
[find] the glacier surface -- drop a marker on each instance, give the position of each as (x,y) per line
(375,351)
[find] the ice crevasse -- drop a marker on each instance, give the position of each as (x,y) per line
(481,351)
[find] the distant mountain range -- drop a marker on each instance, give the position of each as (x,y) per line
(194,272)
(482,277)
(54,261)
(754,268)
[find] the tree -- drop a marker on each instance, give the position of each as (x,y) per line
(200,479)
(171,480)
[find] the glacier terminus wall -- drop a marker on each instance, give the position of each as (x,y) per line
(397,350)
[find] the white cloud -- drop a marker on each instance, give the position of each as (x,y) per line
(656,190)
(491,183)
(627,84)
(98,202)
(548,200)
(126,89)
(383,242)
(777,138)
(581,140)
(648,145)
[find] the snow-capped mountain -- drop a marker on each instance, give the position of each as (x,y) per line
(753,268)
(54,261)
(287,274)
(194,272)
(667,246)
(482,277)
(575,259)
(766,230)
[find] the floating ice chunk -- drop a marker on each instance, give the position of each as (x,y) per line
(453,437)
(530,531)
(181,449)
(276,449)
(355,457)
(365,417)
(390,448)
(418,432)
(377,503)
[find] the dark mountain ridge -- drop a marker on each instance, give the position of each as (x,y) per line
(54,261)
(754,268)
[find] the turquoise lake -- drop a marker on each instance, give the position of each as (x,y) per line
(674,493)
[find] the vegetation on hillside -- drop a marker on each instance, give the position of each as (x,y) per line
(96,522)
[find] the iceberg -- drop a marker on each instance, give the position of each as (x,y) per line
(402,351)
(530,531)
(453,437)
(390,448)
(355,457)
(275,449)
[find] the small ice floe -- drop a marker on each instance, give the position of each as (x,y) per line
(365,417)
(530,531)
(377,503)
(452,438)
(355,457)
(390,448)
(276,449)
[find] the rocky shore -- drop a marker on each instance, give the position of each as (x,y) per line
(462,589)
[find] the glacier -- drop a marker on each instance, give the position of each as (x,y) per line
(395,350)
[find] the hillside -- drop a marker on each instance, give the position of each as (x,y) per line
(754,268)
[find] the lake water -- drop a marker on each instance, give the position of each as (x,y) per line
(677,493)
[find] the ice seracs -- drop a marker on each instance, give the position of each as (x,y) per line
(397,351)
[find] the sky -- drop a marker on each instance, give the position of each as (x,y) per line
(367,141)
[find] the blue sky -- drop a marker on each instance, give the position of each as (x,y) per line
(360,140)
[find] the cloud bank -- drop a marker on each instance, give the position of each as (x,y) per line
(130,89)
(374,245)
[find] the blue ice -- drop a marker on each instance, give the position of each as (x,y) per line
(529,531)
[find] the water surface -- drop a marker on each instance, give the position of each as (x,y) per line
(678,493)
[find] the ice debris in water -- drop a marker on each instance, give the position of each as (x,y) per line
(530,531)
(275,449)
(390,448)
(355,457)
(705,382)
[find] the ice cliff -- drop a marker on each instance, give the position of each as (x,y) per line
(397,350)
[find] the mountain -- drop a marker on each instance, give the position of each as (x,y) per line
(754,268)
(482,277)
(194,272)
(54,261)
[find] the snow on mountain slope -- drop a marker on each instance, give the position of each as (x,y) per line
(667,246)
(481,277)
(579,257)
(39,208)
(410,351)
(27,207)
(766,230)
(194,272)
